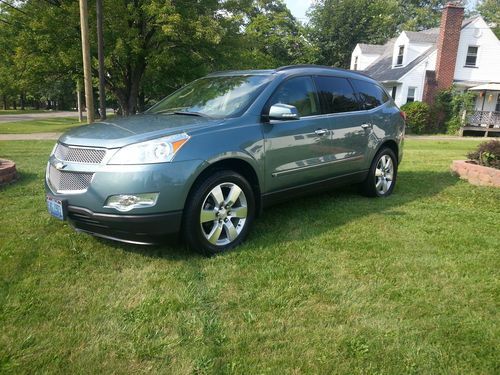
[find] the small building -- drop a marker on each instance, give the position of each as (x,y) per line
(414,66)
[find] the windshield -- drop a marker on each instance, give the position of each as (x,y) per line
(219,96)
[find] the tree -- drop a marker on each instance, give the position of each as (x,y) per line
(490,10)
(336,26)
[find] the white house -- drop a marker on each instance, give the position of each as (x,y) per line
(461,52)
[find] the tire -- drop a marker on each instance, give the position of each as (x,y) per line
(218,213)
(381,178)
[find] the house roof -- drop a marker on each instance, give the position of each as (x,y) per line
(422,37)
(375,49)
(382,70)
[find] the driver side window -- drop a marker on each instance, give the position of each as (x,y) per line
(300,93)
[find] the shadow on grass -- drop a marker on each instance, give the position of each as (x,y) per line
(276,220)
(23,179)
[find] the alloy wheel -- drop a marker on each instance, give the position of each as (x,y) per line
(384,174)
(223,214)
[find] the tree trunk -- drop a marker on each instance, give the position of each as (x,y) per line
(22,101)
(14,104)
(4,99)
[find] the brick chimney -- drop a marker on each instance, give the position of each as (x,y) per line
(447,48)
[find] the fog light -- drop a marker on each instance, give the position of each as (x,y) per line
(127,202)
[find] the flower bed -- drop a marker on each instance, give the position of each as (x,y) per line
(8,172)
(476,174)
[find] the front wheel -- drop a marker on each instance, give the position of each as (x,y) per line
(219,213)
(382,175)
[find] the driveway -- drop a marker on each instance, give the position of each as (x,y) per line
(38,116)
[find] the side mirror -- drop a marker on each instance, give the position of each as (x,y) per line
(282,111)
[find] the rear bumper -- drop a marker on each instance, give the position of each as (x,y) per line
(138,229)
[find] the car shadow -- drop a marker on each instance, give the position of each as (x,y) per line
(23,179)
(411,186)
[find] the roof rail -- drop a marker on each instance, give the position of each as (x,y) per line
(288,67)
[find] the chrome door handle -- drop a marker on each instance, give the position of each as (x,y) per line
(321,132)
(366,126)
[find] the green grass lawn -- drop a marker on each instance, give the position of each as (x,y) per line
(55,125)
(335,283)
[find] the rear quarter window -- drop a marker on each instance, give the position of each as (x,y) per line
(370,94)
(336,95)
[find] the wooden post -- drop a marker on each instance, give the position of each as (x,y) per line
(87,73)
(79,101)
(100,55)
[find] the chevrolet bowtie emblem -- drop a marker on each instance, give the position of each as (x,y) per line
(60,165)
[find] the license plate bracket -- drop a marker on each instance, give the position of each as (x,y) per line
(56,207)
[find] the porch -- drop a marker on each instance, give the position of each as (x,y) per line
(484,120)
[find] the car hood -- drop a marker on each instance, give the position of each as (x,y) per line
(124,131)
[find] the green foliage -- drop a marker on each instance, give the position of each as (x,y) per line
(490,10)
(417,117)
(448,109)
(336,26)
(487,154)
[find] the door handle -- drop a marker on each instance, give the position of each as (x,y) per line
(321,132)
(366,126)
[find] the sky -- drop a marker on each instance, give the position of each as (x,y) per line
(299,8)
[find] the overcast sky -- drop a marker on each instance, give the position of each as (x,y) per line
(299,8)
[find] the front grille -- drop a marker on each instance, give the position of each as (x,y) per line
(79,154)
(62,181)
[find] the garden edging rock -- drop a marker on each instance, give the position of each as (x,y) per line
(476,174)
(8,172)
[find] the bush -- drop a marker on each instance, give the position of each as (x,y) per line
(448,107)
(487,154)
(417,117)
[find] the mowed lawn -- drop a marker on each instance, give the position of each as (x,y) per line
(335,283)
(50,125)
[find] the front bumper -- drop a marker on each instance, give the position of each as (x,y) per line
(137,229)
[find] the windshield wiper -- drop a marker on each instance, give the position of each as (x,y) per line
(187,113)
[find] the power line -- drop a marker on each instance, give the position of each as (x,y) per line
(13,7)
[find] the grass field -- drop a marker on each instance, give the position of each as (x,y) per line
(335,283)
(55,125)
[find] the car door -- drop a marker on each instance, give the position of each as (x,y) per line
(349,123)
(297,150)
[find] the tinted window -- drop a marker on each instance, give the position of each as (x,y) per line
(336,95)
(300,93)
(371,95)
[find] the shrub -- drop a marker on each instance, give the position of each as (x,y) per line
(448,107)
(417,117)
(487,154)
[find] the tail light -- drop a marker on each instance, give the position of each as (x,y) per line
(403,115)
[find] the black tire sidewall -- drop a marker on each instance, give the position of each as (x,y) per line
(192,231)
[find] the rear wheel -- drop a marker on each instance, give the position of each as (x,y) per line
(382,175)
(219,213)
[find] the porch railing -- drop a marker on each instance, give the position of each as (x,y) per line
(486,119)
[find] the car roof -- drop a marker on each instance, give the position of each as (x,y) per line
(298,69)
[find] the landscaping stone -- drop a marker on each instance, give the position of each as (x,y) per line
(8,172)
(476,174)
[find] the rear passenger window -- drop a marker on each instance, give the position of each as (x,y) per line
(336,95)
(371,95)
(300,93)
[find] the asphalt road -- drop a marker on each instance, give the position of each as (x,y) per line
(38,116)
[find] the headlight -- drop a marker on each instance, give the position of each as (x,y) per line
(159,150)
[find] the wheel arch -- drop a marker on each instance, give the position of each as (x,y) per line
(392,144)
(238,165)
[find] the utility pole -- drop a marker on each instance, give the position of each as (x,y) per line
(87,74)
(100,56)
(79,101)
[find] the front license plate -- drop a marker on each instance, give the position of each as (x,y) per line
(55,207)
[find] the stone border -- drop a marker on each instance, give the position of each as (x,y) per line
(476,174)
(8,172)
